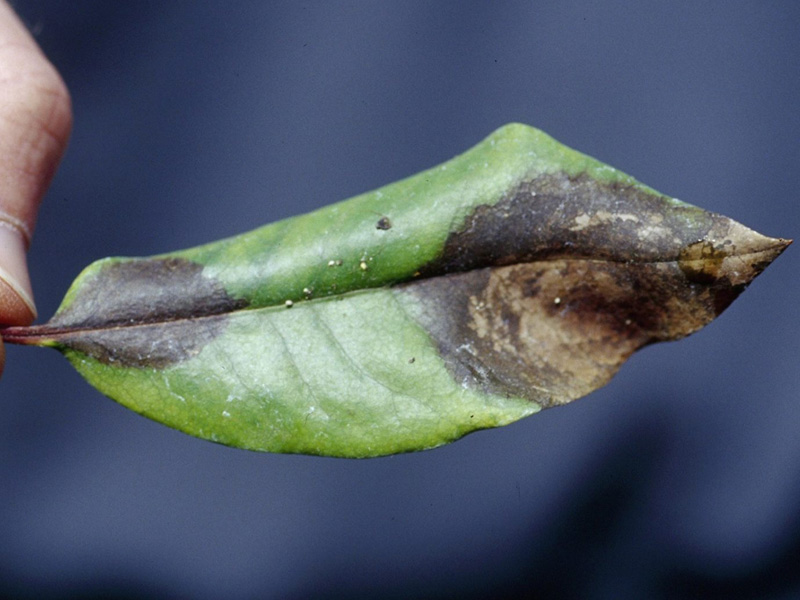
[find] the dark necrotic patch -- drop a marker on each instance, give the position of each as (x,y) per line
(154,345)
(559,216)
(145,313)
(554,331)
(139,291)
(447,316)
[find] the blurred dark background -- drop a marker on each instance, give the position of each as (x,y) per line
(199,120)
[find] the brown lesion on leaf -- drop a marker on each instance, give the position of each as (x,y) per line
(146,290)
(140,313)
(150,345)
(545,294)
(562,216)
(553,331)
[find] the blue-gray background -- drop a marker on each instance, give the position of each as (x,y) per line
(199,120)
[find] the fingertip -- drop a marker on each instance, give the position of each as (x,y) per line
(13,309)
(16,296)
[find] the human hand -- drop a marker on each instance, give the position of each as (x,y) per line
(35,121)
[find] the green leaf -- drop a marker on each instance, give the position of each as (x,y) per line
(517,276)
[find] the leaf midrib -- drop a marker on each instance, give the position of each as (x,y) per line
(41,334)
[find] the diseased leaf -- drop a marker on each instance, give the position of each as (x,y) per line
(517,276)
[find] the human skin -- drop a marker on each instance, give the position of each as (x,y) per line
(35,122)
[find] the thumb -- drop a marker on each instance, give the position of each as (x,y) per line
(35,121)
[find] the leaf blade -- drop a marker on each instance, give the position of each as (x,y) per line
(517,276)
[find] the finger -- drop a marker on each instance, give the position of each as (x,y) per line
(35,121)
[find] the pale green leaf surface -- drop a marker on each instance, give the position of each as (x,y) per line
(354,376)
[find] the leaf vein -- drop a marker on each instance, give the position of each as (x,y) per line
(360,369)
(293,361)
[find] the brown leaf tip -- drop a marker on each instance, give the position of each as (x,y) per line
(731,254)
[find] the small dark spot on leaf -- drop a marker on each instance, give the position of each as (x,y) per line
(384,224)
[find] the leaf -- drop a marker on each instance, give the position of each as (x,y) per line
(517,276)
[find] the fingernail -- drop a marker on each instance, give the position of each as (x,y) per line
(16,295)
